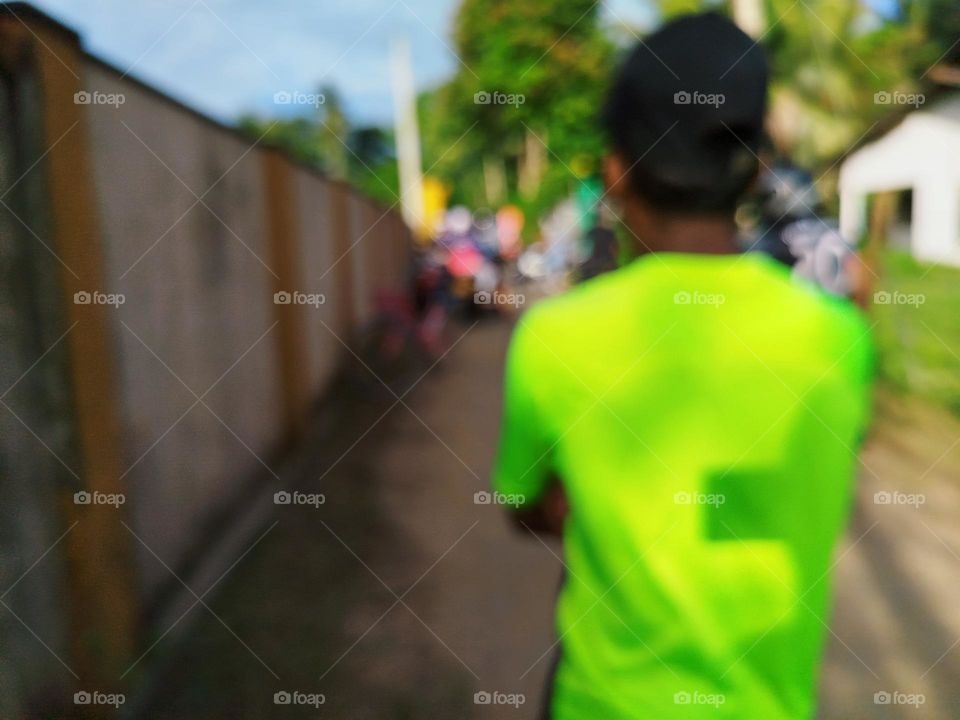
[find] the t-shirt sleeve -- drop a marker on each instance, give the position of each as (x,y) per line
(860,366)
(523,461)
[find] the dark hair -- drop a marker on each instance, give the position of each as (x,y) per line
(719,197)
(683,156)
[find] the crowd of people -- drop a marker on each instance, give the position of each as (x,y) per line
(471,256)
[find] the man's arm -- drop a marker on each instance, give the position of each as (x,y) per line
(547,515)
(524,460)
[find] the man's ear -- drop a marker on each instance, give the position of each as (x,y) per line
(615,175)
(754,184)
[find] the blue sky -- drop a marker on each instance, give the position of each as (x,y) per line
(225,57)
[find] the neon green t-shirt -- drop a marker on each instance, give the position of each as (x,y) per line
(703,414)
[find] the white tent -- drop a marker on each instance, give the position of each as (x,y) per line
(921,154)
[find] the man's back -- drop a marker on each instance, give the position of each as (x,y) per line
(703,414)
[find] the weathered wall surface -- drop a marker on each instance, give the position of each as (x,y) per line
(35,407)
(143,348)
(361,256)
(197,315)
(319,276)
(185,232)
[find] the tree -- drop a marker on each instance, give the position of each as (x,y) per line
(324,139)
(833,63)
(520,112)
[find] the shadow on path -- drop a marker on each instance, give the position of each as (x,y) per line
(314,606)
(398,597)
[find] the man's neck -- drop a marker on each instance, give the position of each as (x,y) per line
(659,232)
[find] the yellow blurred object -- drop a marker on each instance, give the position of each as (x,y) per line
(435,195)
(583,166)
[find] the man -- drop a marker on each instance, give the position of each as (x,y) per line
(690,421)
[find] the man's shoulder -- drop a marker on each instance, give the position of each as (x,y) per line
(836,315)
(637,301)
(580,307)
(564,339)
(816,322)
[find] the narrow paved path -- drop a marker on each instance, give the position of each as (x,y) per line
(400,597)
(897,619)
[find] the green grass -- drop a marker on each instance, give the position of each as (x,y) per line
(918,337)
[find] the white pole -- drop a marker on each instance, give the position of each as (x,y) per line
(407,135)
(749,15)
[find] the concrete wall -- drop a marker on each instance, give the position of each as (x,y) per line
(196,279)
(319,275)
(35,409)
(185,231)
(185,395)
(362,258)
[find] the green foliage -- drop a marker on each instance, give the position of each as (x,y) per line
(552,54)
(828,61)
(940,21)
(324,140)
(919,341)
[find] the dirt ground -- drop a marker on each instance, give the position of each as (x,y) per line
(399,597)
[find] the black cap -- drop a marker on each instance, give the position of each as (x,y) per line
(687,108)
